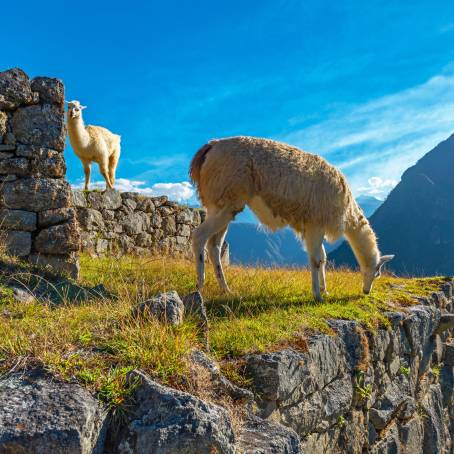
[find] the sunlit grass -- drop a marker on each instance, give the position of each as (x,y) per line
(98,342)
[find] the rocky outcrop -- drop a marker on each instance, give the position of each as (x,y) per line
(129,223)
(388,391)
(32,173)
(40,414)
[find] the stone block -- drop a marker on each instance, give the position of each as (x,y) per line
(55,216)
(90,219)
(16,242)
(51,91)
(15,89)
(40,125)
(36,194)
(58,239)
(17,220)
(17,166)
(67,264)
(166,307)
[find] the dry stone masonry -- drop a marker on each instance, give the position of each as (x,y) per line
(114,222)
(37,220)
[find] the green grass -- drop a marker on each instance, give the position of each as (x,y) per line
(98,342)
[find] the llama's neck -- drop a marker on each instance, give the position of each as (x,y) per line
(78,135)
(364,244)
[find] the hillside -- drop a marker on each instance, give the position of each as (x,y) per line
(416,222)
(251,244)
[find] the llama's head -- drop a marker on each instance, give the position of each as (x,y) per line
(75,109)
(369,274)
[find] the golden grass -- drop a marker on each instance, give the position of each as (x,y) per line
(97,342)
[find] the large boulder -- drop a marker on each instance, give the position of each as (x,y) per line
(58,239)
(51,91)
(41,125)
(36,194)
(15,89)
(39,414)
(167,421)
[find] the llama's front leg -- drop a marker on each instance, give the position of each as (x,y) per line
(87,175)
(214,252)
(322,272)
(314,239)
(215,222)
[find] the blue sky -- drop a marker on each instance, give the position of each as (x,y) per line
(368,85)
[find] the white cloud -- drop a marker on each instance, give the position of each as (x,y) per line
(384,136)
(377,187)
(179,192)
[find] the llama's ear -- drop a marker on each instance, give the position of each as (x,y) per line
(382,261)
(385,258)
(84,107)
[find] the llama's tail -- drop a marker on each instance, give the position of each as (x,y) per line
(197,162)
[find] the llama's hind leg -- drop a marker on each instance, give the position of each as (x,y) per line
(214,251)
(313,238)
(212,225)
(322,272)
(113,162)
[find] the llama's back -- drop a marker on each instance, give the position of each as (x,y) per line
(296,187)
(99,134)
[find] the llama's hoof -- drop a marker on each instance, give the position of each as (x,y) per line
(318,298)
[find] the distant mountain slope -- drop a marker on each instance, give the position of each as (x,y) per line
(251,244)
(416,222)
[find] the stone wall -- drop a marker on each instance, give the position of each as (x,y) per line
(37,220)
(118,223)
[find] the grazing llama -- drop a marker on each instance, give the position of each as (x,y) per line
(93,144)
(283,186)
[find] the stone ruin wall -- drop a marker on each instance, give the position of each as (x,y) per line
(37,218)
(118,223)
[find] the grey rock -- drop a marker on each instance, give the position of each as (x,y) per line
(144,240)
(40,125)
(220,383)
(132,223)
(90,219)
(167,421)
(169,226)
(40,415)
(108,215)
(130,204)
(434,434)
(263,437)
(446,322)
(58,239)
(51,91)
(387,405)
(50,164)
(389,443)
(447,289)
(17,220)
(22,296)
(16,242)
(18,166)
(15,89)
(184,216)
(36,194)
(67,265)
(411,434)
(79,199)
(146,205)
(111,199)
(9,139)
(447,385)
(166,307)
(420,325)
(55,216)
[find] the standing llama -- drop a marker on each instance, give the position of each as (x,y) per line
(283,186)
(93,144)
